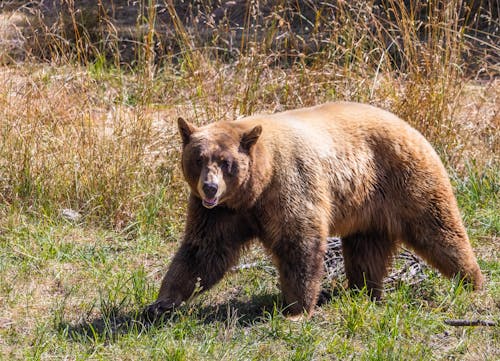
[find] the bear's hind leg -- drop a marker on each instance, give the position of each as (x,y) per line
(447,249)
(366,258)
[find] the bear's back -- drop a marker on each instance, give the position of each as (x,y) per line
(349,153)
(343,127)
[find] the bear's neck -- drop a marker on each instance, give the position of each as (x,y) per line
(259,176)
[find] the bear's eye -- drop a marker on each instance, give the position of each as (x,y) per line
(199,161)
(225,165)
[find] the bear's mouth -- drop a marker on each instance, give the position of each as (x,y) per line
(210,202)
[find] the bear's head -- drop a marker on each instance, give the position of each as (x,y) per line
(216,160)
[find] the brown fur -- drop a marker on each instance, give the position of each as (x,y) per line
(293,178)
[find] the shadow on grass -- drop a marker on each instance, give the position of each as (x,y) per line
(107,328)
(240,313)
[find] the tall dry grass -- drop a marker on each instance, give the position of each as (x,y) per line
(87,113)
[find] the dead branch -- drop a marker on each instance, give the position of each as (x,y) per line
(469,323)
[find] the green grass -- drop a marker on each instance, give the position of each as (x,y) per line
(479,199)
(75,291)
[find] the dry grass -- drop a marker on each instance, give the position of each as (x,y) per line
(79,140)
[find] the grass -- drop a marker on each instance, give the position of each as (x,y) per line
(77,292)
(87,129)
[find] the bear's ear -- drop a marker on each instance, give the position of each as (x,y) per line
(185,130)
(249,138)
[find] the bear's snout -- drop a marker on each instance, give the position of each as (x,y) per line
(210,189)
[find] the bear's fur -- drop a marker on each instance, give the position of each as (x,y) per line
(293,178)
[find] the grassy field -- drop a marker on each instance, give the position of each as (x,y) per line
(92,201)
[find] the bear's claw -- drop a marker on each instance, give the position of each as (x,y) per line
(157,309)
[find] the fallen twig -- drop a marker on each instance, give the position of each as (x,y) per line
(470,323)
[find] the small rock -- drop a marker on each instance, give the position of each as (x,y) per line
(5,322)
(70,215)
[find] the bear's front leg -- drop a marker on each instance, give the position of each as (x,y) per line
(300,264)
(193,266)
(179,283)
(212,244)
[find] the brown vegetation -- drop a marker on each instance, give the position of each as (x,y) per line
(97,136)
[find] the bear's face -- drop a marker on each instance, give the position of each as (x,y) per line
(216,160)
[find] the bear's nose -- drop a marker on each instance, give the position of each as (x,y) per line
(210,189)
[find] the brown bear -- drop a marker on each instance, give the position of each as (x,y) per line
(291,179)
